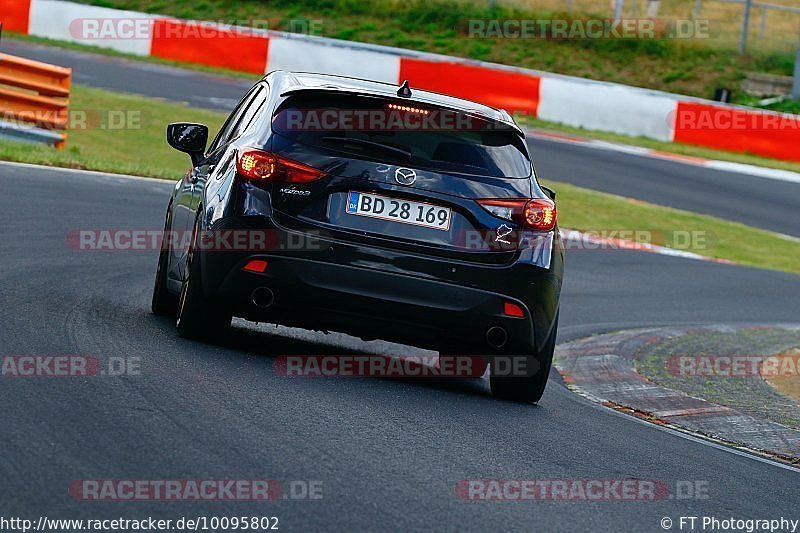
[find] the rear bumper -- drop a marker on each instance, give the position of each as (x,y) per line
(372,292)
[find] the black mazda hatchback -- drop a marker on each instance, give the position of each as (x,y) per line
(387,212)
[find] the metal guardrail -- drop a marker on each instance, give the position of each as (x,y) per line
(27,133)
(774,31)
(34,100)
(749,5)
(765,5)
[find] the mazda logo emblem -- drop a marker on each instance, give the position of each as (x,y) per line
(405,176)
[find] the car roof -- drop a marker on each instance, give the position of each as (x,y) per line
(291,82)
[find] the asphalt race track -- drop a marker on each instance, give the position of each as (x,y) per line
(752,200)
(755,201)
(387,451)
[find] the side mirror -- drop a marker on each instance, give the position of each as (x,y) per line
(188,137)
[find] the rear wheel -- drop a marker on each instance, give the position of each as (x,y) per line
(164,302)
(528,388)
(199,317)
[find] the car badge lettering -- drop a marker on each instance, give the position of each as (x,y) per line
(296,192)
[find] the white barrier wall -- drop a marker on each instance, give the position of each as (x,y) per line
(607,107)
(319,55)
(76,23)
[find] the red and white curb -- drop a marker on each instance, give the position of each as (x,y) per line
(725,166)
(601,368)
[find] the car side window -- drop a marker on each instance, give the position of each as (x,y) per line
(224,135)
(252,110)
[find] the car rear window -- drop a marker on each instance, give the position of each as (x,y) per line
(403,132)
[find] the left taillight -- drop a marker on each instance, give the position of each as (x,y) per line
(537,213)
(260,165)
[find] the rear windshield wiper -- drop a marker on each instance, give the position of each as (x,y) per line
(395,151)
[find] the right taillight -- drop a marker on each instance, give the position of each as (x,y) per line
(537,213)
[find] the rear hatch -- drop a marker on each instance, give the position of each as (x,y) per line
(399,174)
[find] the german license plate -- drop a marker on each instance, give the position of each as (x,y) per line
(404,211)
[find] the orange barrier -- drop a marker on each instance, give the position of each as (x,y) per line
(35,93)
(515,92)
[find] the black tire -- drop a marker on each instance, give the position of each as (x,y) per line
(164,303)
(529,388)
(199,317)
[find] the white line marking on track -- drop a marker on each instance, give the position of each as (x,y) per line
(89,173)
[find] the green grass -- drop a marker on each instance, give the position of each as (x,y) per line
(586,210)
(133,145)
(140,149)
(675,148)
(688,66)
(751,394)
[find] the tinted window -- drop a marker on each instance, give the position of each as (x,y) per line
(226,133)
(404,133)
(252,109)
